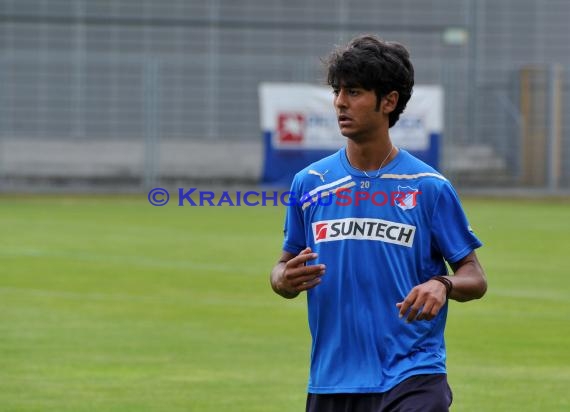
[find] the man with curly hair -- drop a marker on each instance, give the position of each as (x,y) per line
(374,270)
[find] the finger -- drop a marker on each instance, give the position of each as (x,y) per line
(295,278)
(302,258)
(425,314)
(413,313)
(407,303)
(429,312)
(434,310)
(309,285)
(425,309)
(305,251)
(403,306)
(300,280)
(421,315)
(295,272)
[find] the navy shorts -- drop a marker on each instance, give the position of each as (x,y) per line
(421,393)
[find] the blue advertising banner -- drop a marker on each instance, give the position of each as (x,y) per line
(299,127)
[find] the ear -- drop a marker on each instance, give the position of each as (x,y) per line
(389,102)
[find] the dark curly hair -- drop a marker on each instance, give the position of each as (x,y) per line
(373,64)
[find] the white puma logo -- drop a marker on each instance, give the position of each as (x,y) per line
(321,175)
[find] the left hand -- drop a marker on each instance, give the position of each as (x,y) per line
(424,301)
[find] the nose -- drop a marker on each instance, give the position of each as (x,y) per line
(340,100)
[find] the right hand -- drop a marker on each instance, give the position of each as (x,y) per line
(297,276)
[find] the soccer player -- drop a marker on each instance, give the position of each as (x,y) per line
(369,243)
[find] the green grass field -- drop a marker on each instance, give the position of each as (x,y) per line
(110,304)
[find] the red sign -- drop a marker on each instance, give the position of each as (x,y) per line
(290,127)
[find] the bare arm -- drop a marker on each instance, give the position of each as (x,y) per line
(290,276)
(425,301)
(469,281)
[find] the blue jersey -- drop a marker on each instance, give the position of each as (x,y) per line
(379,236)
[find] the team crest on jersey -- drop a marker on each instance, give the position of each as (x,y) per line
(408,198)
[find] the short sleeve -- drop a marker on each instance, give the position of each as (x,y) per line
(450,229)
(294,229)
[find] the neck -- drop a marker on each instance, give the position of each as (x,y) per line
(371,155)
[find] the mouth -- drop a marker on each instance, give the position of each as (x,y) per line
(344,120)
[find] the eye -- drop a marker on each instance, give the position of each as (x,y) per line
(353,92)
(336,91)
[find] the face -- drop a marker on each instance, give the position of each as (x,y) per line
(356,112)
